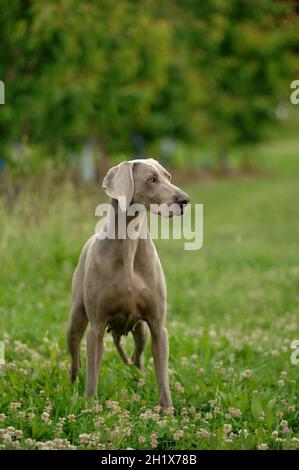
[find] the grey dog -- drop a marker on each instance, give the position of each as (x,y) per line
(119,283)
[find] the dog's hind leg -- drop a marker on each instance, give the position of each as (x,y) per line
(119,348)
(76,328)
(141,335)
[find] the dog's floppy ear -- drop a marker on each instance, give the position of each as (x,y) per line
(119,184)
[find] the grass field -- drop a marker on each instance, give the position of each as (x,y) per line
(233,313)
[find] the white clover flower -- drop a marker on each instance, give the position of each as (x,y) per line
(178,434)
(262,446)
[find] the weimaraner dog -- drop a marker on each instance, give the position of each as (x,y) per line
(119,282)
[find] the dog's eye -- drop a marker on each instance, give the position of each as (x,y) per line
(152,179)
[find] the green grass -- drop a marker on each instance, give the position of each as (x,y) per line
(233,312)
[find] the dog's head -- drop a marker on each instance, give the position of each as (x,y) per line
(148,183)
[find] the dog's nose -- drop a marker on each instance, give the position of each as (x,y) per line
(182,199)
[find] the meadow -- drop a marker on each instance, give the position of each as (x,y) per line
(232,315)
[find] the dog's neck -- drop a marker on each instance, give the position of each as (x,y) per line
(119,224)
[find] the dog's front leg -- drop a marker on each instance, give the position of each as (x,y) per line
(160,354)
(95,338)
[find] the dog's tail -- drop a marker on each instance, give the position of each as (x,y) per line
(119,348)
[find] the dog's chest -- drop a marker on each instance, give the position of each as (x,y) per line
(134,290)
(127,304)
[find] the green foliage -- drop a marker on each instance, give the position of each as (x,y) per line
(208,72)
(239,53)
(80,69)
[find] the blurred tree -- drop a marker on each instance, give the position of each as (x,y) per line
(102,70)
(240,58)
(80,69)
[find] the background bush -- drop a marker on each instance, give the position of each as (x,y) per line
(124,74)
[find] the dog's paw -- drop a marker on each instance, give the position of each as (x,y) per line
(167,409)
